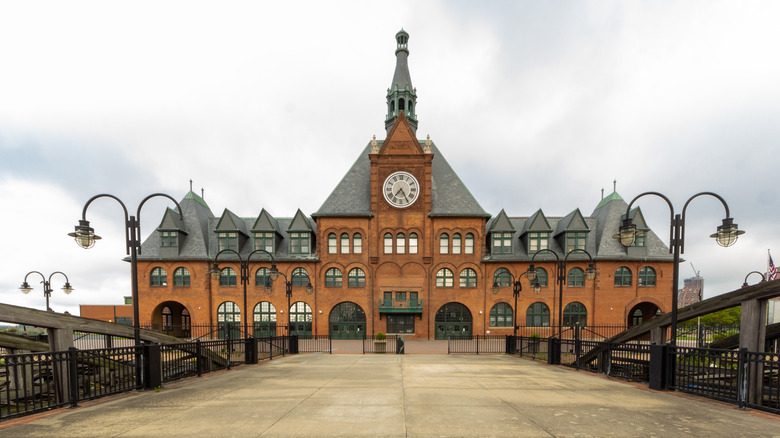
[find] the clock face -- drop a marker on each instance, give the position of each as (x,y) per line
(401,189)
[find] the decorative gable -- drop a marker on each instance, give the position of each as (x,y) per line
(501,223)
(401,140)
(300,223)
(229,221)
(572,222)
(265,223)
(172,221)
(537,223)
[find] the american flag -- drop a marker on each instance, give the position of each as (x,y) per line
(772,269)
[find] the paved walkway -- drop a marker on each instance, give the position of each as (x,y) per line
(400,396)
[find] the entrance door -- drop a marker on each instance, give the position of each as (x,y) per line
(347,321)
(453,319)
(300,320)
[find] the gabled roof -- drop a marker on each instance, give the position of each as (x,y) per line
(196,221)
(610,216)
(572,222)
(172,221)
(229,221)
(300,223)
(637,218)
(537,222)
(265,223)
(500,223)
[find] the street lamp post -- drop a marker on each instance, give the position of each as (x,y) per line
(47,290)
(516,289)
(85,237)
(745,283)
(244,267)
(726,235)
(560,276)
(274,274)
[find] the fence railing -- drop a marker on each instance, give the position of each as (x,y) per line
(477,344)
(392,344)
(314,344)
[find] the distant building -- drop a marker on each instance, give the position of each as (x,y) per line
(691,292)
(120,314)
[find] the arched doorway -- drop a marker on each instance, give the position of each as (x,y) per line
(453,319)
(264,320)
(300,320)
(642,313)
(228,320)
(172,318)
(347,321)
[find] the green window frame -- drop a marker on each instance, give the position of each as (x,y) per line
(623,276)
(228,312)
(444,278)
(647,277)
(333,277)
(468,278)
(576,277)
(502,243)
(357,243)
(264,312)
(640,240)
(413,243)
(169,239)
(469,246)
(263,277)
(456,243)
(400,324)
(265,241)
(300,277)
(300,243)
(501,315)
(400,243)
(537,315)
(332,244)
(502,277)
(538,241)
(575,240)
(444,243)
(181,276)
(541,277)
(344,243)
(158,277)
(388,241)
(356,278)
(227,277)
(300,312)
(227,240)
(575,313)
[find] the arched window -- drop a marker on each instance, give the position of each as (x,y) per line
(444,243)
(392,106)
(186,322)
(388,243)
(538,315)
(623,276)
(262,277)
(444,278)
(228,312)
(345,243)
(502,277)
(647,276)
(468,278)
(227,277)
(501,315)
(332,244)
(356,278)
(541,276)
(469,247)
(576,277)
(357,243)
(300,277)
(181,276)
(637,318)
(575,313)
(300,312)
(456,240)
(333,277)
(264,318)
(400,104)
(411,108)
(167,319)
(413,243)
(158,277)
(400,243)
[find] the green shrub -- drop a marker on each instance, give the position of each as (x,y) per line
(380,336)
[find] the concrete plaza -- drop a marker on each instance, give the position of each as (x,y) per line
(398,396)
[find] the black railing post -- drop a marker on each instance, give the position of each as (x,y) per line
(198,358)
(250,350)
(743,377)
(294,344)
(658,362)
(477,343)
(73,373)
(508,346)
(553,351)
(152,366)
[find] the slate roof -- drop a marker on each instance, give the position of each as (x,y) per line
(449,196)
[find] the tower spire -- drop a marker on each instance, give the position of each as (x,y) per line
(401,96)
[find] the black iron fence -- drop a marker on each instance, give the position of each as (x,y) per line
(477,344)
(391,344)
(314,344)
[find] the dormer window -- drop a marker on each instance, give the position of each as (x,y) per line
(502,243)
(538,241)
(227,241)
(640,240)
(299,243)
(265,241)
(575,241)
(169,239)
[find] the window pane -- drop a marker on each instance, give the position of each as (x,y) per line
(357,243)
(332,245)
(456,243)
(388,243)
(400,243)
(413,243)
(345,243)
(444,244)
(469,248)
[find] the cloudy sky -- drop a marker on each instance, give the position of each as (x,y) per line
(267,104)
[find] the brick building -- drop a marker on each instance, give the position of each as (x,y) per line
(400,246)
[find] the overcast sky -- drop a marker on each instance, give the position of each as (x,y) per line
(267,105)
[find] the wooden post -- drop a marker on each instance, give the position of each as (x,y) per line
(752,334)
(60,340)
(658,336)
